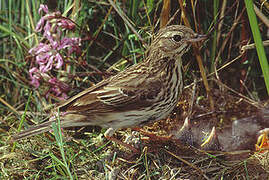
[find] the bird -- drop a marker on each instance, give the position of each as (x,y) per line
(144,92)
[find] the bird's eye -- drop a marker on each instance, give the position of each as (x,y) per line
(177,38)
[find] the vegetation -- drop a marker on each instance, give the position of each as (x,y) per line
(48,55)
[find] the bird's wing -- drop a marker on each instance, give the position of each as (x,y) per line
(116,93)
(128,96)
(80,101)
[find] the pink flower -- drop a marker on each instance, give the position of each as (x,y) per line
(47,57)
(40,24)
(49,53)
(34,78)
(58,88)
(71,43)
(41,48)
(59,60)
(66,24)
(44,8)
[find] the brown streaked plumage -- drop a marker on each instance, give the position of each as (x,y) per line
(144,92)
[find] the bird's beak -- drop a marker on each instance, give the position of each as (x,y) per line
(196,38)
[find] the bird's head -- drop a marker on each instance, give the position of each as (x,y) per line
(175,40)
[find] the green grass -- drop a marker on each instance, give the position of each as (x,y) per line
(59,140)
(258,42)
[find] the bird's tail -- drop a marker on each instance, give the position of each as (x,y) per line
(70,120)
(38,129)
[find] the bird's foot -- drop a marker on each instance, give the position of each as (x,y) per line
(109,135)
(152,136)
(128,146)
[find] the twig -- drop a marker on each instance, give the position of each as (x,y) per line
(262,17)
(252,46)
(9,106)
(188,163)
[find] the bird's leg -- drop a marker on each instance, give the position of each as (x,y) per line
(151,135)
(109,135)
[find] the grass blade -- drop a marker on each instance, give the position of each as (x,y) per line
(258,41)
